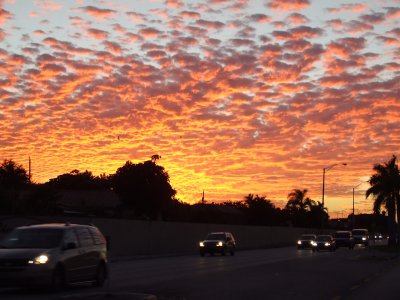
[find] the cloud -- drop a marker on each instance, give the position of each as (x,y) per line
(149,32)
(174,3)
(137,17)
(287,5)
(4,16)
(297,18)
(348,7)
(98,13)
(345,47)
(97,34)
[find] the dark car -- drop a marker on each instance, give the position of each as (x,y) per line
(53,255)
(218,242)
(360,237)
(344,239)
(324,242)
(305,241)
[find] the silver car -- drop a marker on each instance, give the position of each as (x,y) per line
(53,255)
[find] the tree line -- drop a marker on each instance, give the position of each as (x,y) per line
(144,188)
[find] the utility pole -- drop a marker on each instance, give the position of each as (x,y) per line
(30,174)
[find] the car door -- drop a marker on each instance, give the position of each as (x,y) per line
(88,257)
(72,256)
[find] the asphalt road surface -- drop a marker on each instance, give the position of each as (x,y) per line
(281,273)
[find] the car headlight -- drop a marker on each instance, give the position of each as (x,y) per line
(299,242)
(201,244)
(220,244)
(364,238)
(327,244)
(40,260)
(313,243)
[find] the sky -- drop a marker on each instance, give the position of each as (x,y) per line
(237,97)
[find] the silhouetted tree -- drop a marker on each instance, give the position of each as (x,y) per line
(13,177)
(260,210)
(76,180)
(144,187)
(302,211)
(385,188)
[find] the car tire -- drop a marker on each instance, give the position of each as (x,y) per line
(202,253)
(58,280)
(101,275)
(232,253)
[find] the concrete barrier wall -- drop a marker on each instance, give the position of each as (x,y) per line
(130,238)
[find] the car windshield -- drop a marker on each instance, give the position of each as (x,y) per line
(215,236)
(342,234)
(33,238)
(360,232)
(323,238)
(307,237)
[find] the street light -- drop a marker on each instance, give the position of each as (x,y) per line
(323,189)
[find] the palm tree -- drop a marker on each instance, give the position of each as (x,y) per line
(385,188)
(298,202)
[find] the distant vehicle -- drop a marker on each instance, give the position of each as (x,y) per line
(324,242)
(344,239)
(360,237)
(377,236)
(53,255)
(218,242)
(305,240)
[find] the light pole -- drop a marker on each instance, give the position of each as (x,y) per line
(324,170)
(354,216)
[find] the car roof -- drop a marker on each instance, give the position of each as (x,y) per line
(343,231)
(52,226)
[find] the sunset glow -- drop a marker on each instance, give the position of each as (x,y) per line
(237,97)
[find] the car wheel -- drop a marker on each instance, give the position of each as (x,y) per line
(201,253)
(100,275)
(232,253)
(58,281)
(223,252)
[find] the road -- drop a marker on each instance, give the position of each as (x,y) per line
(281,273)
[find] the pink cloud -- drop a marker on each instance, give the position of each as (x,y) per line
(48,5)
(348,7)
(260,18)
(113,47)
(190,14)
(98,12)
(4,16)
(346,46)
(297,18)
(287,5)
(149,32)
(210,24)
(136,16)
(393,12)
(97,34)
(374,18)
(306,32)
(174,3)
